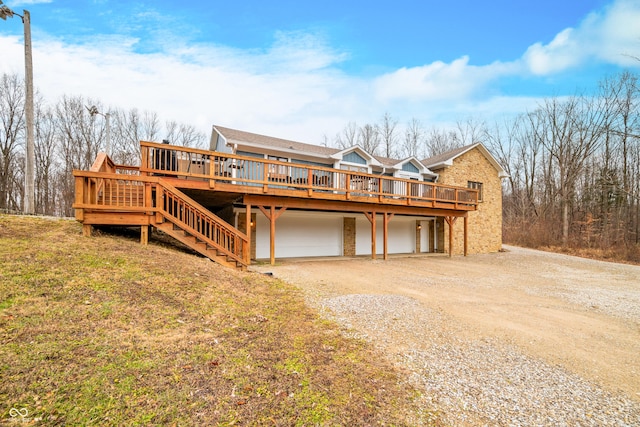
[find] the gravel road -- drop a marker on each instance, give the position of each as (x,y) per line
(519,338)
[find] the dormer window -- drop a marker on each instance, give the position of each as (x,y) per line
(354,157)
(410,167)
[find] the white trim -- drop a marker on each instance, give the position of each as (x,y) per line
(449,162)
(371,161)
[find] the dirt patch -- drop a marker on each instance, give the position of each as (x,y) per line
(582,315)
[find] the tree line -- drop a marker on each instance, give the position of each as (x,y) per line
(573,162)
(573,165)
(68,137)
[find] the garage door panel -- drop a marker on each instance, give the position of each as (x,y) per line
(299,235)
(401,236)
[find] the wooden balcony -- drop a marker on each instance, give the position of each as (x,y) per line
(177,189)
(225,172)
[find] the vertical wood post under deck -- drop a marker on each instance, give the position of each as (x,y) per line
(247,248)
(144,235)
(272,235)
(385,232)
(372,219)
(272,216)
(450,220)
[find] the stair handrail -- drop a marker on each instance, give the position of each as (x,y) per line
(158,182)
(244,239)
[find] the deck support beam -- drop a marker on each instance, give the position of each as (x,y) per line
(385,233)
(451,220)
(272,215)
(144,235)
(372,219)
(247,250)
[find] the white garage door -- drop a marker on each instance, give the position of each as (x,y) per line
(300,234)
(401,239)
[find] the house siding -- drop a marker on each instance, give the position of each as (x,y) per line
(485,224)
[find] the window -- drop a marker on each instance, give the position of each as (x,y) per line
(410,167)
(476,186)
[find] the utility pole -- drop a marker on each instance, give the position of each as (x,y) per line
(29,199)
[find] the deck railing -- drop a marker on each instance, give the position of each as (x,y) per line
(105,192)
(256,174)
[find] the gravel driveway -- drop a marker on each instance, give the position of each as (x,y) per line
(521,337)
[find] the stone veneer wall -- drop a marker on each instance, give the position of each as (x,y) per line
(349,236)
(485,224)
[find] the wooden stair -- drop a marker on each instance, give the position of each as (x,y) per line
(199,246)
(108,198)
(190,223)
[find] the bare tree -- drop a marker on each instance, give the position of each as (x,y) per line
(413,139)
(12,127)
(440,141)
(78,145)
(45,149)
(573,132)
(348,137)
(185,135)
(369,139)
(131,127)
(387,135)
(470,131)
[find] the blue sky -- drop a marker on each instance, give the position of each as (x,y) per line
(303,70)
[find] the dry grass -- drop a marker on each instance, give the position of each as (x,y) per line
(538,237)
(104,331)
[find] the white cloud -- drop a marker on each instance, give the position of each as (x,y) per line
(609,36)
(296,89)
(439,81)
(15,4)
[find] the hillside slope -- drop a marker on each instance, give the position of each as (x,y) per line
(104,331)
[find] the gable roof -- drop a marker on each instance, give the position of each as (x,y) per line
(357,149)
(234,136)
(446,159)
(248,139)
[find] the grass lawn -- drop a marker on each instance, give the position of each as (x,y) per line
(104,331)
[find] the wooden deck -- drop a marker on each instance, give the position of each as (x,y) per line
(224,172)
(175,188)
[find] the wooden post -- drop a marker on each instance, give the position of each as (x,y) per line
(80,197)
(247,250)
(144,159)
(272,235)
(385,222)
(159,205)
(144,235)
(450,220)
(272,216)
(86,230)
(385,232)
(372,219)
(466,227)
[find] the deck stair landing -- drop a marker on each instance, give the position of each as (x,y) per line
(107,196)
